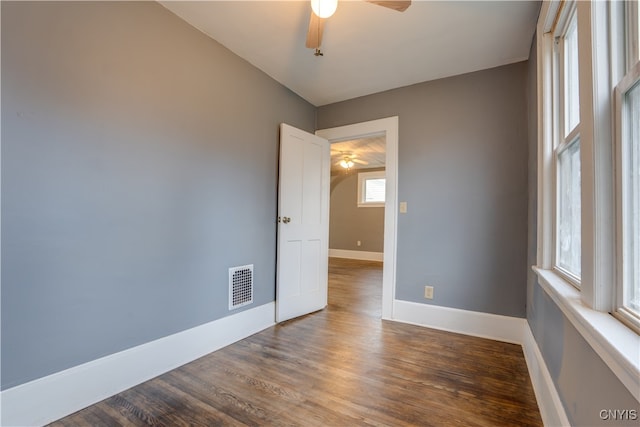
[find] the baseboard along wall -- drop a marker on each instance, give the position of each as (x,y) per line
(549,403)
(477,324)
(55,396)
(359,255)
(50,398)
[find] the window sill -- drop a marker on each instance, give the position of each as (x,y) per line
(616,344)
(371,205)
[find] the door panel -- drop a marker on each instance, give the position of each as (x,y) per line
(312,185)
(311,266)
(292,252)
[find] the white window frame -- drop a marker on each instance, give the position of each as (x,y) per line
(630,38)
(564,138)
(629,81)
(363,177)
(602,62)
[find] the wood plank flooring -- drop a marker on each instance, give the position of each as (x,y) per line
(341,366)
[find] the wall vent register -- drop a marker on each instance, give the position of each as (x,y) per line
(240,286)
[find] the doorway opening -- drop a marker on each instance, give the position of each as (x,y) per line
(356,223)
(387,129)
(357,197)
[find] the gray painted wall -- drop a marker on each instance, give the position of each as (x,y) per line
(139,163)
(463,172)
(585,383)
(532,120)
(349,223)
(129,140)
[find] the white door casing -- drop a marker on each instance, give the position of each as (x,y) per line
(303,223)
(388,126)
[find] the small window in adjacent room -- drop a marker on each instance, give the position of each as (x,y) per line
(371,189)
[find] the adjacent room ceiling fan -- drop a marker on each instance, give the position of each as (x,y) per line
(349,160)
(323,9)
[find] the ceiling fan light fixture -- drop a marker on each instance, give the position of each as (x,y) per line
(324,8)
(346,163)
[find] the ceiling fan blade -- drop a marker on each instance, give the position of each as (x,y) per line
(399,5)
(314,34)
(362,162)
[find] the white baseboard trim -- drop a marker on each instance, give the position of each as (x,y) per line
(501,328)
(50,398)
(549,403)
(359,255)
(477,324)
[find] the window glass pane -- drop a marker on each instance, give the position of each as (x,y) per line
(374,190)
(631,200)
(572,106)
(569,220)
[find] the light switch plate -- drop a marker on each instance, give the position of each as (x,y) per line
(403,207)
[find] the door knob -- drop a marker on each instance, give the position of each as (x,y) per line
(286,220)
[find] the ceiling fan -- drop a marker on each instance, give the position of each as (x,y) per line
(348,160)
(323,9)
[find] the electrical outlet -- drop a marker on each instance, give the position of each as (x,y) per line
(359,243)
(428,292)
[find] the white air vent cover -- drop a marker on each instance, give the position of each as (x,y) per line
(240,286)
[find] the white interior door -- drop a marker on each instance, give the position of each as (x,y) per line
(303,223)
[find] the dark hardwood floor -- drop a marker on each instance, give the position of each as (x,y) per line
(342,366)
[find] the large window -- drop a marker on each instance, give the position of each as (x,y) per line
(628,181)
(588,254)
(567,151)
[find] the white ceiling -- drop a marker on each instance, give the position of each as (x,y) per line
(367,48)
